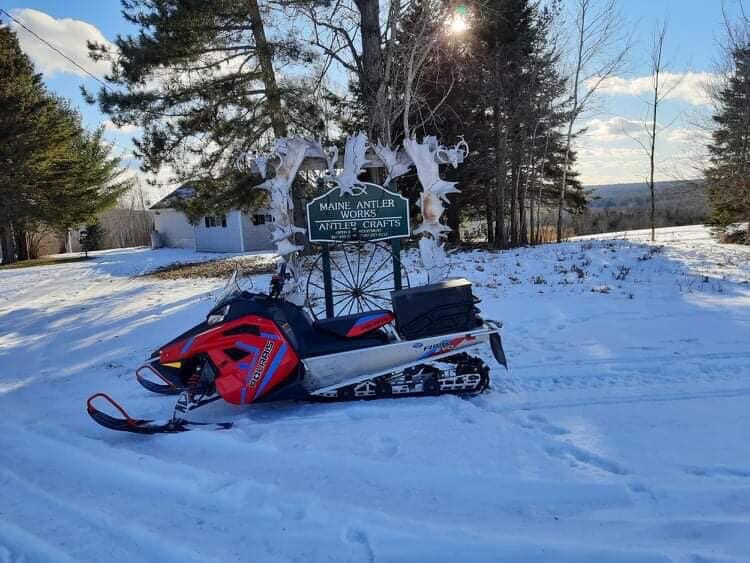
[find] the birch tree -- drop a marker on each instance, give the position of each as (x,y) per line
(661,88)
(599,50)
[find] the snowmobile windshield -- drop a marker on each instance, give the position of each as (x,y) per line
(232,289)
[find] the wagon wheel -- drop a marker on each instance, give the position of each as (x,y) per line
(361,279)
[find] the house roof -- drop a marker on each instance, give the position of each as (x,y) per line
(182,193)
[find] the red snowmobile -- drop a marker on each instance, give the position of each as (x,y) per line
(254,347)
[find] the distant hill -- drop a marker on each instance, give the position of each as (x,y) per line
(637,196)
(615,207)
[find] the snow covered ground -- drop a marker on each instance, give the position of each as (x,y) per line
(620,433)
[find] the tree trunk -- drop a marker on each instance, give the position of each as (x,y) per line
(489,217)
(523,234)
(528,194)
(566,160)
(537,235)
(501,144)
(7,245)
(372,64)
(531,213)
(652,153)
(515,172)
(571,120)
(517,200)
(529,181)
(265,59)
(22,248)
(453,220)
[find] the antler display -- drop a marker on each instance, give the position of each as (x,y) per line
(427,157)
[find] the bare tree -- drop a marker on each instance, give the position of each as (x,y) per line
(387,58)
(660,89)
(600,50)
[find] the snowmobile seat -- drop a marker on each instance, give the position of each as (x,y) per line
(305,338)
(357,324)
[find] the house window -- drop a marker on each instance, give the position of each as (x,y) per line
(262,219)
(215,221)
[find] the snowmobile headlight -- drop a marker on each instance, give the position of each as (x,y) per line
(218,316)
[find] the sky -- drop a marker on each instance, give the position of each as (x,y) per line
(608,151)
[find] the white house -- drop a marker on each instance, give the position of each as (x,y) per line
(233,231)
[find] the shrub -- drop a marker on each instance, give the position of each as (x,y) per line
(622,273)
(93,237)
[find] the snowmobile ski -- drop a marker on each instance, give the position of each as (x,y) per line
(145,426)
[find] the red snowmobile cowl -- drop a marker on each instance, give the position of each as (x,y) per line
(251,356)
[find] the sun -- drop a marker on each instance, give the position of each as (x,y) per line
(457,24)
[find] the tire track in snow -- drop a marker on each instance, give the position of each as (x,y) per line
(125,540)
(230,523)
(725,371)
(23,546)
(498,406)
(225,507)
(718,356)
(151,477)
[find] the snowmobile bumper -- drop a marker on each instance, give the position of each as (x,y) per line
(496,343)
(168,376)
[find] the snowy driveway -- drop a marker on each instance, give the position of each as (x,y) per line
(619,434)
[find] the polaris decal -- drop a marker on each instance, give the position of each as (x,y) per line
(445,346)
(272,370)
(261,365)
(245,365)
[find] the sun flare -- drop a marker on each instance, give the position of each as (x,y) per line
(457,24)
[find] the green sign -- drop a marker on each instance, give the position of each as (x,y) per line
(371,213)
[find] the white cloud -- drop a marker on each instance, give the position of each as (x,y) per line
(68,35)
(613,129)
(680,153)
(609,165)
(688,136)
(690,87)
(128,128)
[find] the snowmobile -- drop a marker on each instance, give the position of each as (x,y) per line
(257,347)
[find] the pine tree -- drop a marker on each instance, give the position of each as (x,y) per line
(506,102)
(53,172)
(728,176)
(94,238)
(199,78)
(21,101)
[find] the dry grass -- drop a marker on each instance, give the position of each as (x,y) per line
(44,261)
(736,237)
(548,234)
(250,265)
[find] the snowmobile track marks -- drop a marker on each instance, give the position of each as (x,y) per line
(99,524)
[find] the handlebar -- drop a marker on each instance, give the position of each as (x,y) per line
(277,281)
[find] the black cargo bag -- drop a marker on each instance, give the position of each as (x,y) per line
(434,309)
